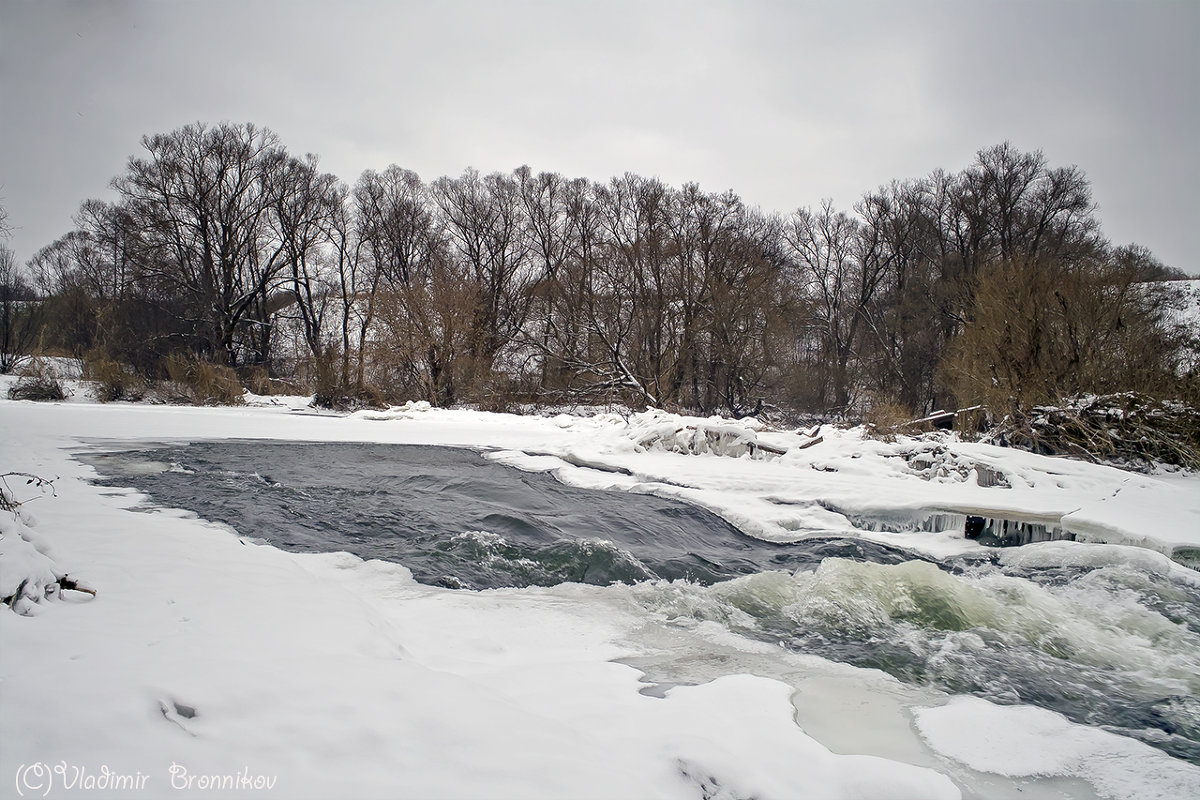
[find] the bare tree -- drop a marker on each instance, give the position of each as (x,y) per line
(305,206)
(994,276)
(397,242)
(726,289)
(634,325)
(544,202)
(429,333)
(20,313)
(355,277)
(483,220)
(201,200)
(829,268)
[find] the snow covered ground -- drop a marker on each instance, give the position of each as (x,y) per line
(207,660)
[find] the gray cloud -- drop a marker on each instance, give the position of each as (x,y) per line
(787,103)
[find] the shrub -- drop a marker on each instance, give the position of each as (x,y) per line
(198,382)
(256,379)
(347,398)
(887,418)
(1042,329)
(503,393)
(112,381)
(45,389)
(336,390)
(39,382)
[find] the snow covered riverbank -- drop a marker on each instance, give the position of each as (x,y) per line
(341,677)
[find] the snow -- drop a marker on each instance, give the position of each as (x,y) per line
(1183,312)
(1186,313)
(817,489)
(1078,554)
(27,573)
(342,677)
(1022,742)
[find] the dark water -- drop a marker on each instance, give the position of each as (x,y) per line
(1114,644)
(453,517)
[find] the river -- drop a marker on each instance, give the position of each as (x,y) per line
(1113,644)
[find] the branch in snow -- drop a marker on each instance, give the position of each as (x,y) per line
(8,500)
(28,576)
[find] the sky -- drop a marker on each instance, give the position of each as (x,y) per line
(786,103)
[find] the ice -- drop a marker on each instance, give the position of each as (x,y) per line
(656,430)
(1080,554)
(1023,742)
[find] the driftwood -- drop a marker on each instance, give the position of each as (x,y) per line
(67,583)
(943,420)
(756,447)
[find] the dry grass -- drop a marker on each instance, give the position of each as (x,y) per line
(201,383)
(112,380)
(886,419)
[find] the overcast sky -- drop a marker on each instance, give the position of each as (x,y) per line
(787,103)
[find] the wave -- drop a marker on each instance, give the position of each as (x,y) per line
(1114,644)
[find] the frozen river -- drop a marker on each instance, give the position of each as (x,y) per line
(1108,644)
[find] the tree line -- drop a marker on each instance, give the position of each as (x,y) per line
(989,285)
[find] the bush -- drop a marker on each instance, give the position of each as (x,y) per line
(332,389)
(887,418)
(44,389)
(112,381)
(347,398)
(1043,329)
(38,382)
(197,382)
(502,393)
(258,380)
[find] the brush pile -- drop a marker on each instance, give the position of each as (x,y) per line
(1128,430)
